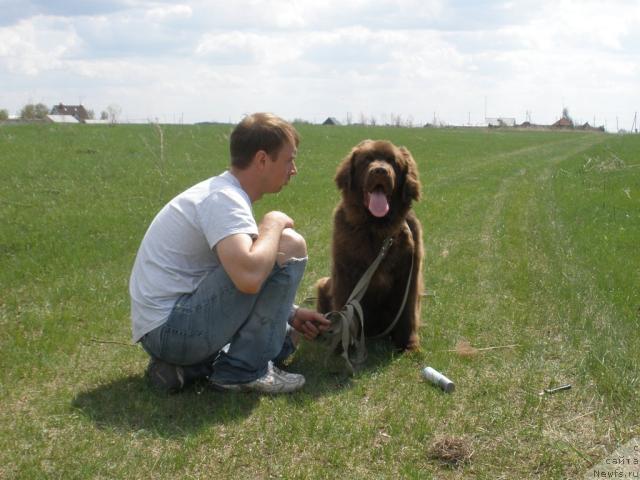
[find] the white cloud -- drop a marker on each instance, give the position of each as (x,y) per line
(266,15)
(303,58)
(167,13)
(240,48)
(564,25)
(38,45)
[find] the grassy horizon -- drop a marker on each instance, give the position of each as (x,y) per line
(531,242)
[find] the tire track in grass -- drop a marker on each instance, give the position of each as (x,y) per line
(463,194)
(514,172)
(597,329)
(522,187)
(591,350)
(483,163)
(472,175)
(586,313)
(518,268)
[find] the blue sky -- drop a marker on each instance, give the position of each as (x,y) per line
(200,60)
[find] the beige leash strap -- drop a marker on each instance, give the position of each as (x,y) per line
(344,331)
(402,305)
(347,325)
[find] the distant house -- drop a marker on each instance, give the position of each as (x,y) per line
(76,111)
(564,122)
(589,128)
(62,119)
(331,121)
(501,122)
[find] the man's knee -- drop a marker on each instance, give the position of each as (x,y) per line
(292,245)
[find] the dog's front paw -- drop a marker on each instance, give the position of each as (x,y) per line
(323,304)
(411,344)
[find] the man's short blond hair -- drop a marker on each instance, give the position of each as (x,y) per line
(260,131)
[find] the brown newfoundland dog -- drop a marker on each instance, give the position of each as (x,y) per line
(378,181)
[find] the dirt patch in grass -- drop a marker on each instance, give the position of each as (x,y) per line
(451,451)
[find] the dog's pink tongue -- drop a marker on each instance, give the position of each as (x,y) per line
(378,205)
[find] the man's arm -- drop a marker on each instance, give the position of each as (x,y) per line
(249,262)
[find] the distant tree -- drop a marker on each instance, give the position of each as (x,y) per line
(28,112)
(41,111)
(565,114)
(34,112)
(91,114)
(349,118)
(113,113)
(409,121)
(4,114)
(104,115)
(301,121)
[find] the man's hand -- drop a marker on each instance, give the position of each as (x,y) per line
(276,219)
(309,323)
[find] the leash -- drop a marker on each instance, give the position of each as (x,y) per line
(347,325)
(402,305)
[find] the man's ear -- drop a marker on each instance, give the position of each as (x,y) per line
(261,158)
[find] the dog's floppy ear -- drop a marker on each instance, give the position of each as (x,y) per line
(347,168)
(345,171)
(410,181)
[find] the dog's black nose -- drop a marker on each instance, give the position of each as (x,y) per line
(379,170)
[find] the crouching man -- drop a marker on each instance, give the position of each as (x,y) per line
(211,290)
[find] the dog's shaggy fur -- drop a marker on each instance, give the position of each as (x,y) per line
(378,181)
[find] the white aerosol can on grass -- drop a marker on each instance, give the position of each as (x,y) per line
(438,379)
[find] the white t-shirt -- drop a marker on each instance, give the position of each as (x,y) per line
(177,252)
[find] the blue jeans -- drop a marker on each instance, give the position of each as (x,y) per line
(238,333)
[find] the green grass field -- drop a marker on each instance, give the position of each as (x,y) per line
(532,242)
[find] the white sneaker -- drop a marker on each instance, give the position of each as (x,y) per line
(274,381)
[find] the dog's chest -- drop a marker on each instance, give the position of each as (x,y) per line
(390,273)
(382,281)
